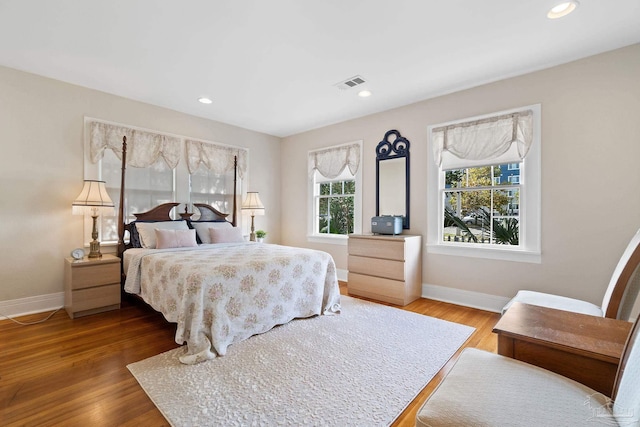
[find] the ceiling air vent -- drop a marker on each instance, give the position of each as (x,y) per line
(351,83)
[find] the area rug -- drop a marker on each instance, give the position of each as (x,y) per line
(359,368)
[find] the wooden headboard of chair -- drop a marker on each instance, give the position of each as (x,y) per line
(162,212)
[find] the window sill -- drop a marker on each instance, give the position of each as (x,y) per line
(501,253)
(332,239)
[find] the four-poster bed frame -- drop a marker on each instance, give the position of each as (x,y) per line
(162,212)
(225,291)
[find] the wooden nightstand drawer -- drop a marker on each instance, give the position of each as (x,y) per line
(101,296)
(90,275)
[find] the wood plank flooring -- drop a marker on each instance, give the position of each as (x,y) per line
(72,372)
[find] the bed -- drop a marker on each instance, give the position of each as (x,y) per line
(218,288)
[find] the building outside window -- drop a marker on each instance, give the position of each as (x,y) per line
(478,196)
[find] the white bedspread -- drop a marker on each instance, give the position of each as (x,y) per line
(224,293)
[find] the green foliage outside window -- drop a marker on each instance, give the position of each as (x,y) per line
(480,207)
(336,207)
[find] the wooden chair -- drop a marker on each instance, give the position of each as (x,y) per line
(618,300)
(486,389)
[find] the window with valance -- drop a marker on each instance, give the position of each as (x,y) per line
(211,172)
(335,191)
(485,184)
(157,170)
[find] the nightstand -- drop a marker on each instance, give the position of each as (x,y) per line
(91,285)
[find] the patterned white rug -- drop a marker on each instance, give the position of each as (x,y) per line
(359,368)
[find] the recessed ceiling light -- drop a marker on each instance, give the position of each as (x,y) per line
(364,93)
(204,100)
(562,9)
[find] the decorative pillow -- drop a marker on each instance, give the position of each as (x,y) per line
(202,228)
(147,231)
(175,238)
(226,235)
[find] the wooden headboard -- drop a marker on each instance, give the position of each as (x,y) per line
(162,212)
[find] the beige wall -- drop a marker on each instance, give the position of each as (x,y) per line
(41,171)
(590,174)
(590,206)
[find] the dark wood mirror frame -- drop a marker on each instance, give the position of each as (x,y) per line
(393,146)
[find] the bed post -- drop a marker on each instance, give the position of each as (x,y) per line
(121,206)
(235,189)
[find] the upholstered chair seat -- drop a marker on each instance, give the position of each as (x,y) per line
(486,389)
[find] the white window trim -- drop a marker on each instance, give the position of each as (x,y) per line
(530,206)
(335,239)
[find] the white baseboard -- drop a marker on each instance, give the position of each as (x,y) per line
(342,274)
(466,298)
(30,305)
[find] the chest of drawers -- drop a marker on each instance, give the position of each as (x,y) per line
(385,268)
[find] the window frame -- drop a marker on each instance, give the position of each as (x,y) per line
(529,249)
(336,239)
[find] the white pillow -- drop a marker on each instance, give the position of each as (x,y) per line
(202,228)
(147,231)
(166,239)
(226,235)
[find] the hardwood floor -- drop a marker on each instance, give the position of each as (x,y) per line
(73,372)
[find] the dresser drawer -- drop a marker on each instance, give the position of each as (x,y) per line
(387,249)
(392,291)
(385,268)
(86,299)
(93,275)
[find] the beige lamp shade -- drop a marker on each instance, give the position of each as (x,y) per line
(93,197)
(252,204)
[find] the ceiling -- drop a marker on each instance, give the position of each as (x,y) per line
(272,66)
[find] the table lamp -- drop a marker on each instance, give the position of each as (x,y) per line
(254,206)
(93,199)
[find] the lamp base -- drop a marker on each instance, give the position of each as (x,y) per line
(94,245)
(252,236)
(94,249)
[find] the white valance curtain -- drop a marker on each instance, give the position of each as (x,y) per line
(331,162)
(217,158)
(144,148)
(497,140)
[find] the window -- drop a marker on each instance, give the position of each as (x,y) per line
(215,189)
(335,202)
(483,205)
(335,193)
(146,187)
(158,171)
(484,197)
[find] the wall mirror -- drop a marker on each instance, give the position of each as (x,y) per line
(392,176)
